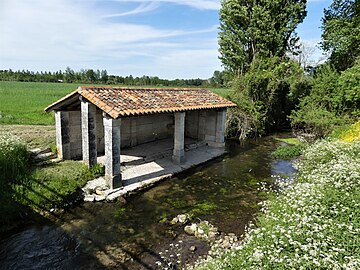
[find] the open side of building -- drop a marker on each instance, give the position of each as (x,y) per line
(94,121)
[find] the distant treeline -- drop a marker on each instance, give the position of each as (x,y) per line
(98,77)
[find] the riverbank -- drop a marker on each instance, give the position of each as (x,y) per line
(29,189)
(132,234)
(312,224)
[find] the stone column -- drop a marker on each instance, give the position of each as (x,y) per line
(88,128)
(62,134)
(220,127)
(179,137)
(112,128)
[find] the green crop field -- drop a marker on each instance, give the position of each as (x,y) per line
(23,103)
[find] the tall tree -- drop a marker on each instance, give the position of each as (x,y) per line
(341,32)
(262,28)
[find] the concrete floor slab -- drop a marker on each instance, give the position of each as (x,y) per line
(144,165)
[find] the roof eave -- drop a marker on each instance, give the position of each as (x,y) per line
(54,106)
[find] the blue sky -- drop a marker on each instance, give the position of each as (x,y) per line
(165,38)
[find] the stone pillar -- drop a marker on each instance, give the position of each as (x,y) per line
(88,128)
(220,127)
(62,134)
(112,128)
(179,137)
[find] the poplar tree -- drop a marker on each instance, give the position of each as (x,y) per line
(341,32)
(251,28)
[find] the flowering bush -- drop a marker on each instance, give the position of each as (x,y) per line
(313,224)
(13,160)
(352,134)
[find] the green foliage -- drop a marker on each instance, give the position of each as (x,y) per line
(86,76)
(14,162)
(288,151)
(349,87)
(333,101)
(14,171)
(250,29)
(347,133)
(266,94)
(341,33)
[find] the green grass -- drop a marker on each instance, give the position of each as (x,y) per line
(293,148)
(24,189)
(24,102)
(224,92)
(288,151)
(291,141)
(55,185)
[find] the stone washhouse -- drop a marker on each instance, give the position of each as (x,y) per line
(96,120)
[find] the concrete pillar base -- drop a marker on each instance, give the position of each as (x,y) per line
(178,156)
(114,181)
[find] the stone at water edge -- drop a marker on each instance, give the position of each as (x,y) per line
(191,229)
(192,248)
(174,221)
(182,218)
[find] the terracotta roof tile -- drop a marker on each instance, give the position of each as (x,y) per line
(118,102)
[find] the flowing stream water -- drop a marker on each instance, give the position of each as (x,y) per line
(130,234)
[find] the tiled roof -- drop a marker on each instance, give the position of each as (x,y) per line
(118,102)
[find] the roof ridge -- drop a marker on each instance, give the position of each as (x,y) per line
(100,87)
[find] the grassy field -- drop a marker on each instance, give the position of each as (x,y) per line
(23,103)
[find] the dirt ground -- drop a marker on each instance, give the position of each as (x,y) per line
(35,136)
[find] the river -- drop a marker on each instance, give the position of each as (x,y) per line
(130,233)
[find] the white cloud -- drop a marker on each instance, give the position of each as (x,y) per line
(199,4)
(142,8)
(50,35)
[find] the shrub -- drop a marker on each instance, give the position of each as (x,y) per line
(14,174)
(288,151)
(266,94)
(333,101)
(352,134)
(14,160)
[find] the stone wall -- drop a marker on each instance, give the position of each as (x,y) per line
(142,129)
(75,134)
(210,126)
(192,124)
(201,125)
(139,129)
